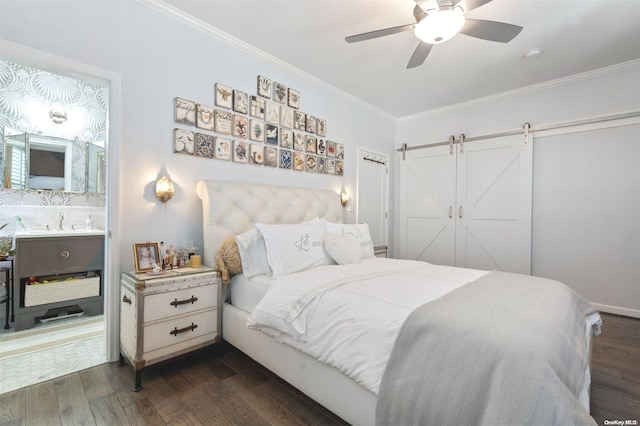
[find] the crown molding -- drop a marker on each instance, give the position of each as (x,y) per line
(613,69)
(228,39)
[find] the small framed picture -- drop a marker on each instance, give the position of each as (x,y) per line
(223,149)
(271,156)
(240,102)
(311,124)
(256,154)
(339,168)
(286,117)
(271,134)
(256,107)
(273,113)
(146,256)
(321,148)
(285,159)
(299,120)
(240,151)
(298,161)
(340,151)
(256,133)
(293,98)
(185,111)
(280,92)
(264,87)
(240,126)
(224,97)
(321,127)
(204,145)
(331,149)
(331,166)
(223,121)
(298,141)
(183,141)
(311,164)
(322,167)
(310,145)
(204,118)
(286,138)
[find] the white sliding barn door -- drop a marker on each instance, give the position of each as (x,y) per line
(470,207)
(427,197)
(494,187)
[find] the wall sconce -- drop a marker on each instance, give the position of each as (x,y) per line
(164,189)
(344,198)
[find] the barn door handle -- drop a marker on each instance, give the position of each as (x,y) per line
(460,212)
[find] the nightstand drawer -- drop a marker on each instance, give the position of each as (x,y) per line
(181,329)
(165,305)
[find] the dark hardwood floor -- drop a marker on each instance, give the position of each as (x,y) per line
(224,387)
(615,381)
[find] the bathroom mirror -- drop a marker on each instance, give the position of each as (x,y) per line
(38,162)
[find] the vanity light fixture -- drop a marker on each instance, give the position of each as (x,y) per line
(344,198)
(164,189)
(57,114)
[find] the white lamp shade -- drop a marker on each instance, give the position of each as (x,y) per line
(440,26)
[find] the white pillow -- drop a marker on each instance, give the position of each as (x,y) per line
(293,248)
(360,231)
(343,248)
(253,253)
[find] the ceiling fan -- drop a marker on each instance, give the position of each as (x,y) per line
(438,21)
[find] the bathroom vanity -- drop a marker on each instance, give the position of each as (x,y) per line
(58,274)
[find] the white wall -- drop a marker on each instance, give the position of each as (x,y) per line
(158,59)
(606,92)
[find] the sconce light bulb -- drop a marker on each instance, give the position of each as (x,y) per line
(164,189)
(344,198)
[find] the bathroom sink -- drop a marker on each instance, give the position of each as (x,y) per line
(39,233)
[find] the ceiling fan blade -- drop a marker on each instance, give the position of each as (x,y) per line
(490,30)
(378,33)
(469,5)
(419,55)
(419,13)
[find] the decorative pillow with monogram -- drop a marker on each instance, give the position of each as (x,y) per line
(294,248)
(360,231)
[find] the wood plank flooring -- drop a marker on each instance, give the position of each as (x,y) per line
(615,370)
(224,387)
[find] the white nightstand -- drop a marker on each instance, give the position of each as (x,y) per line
(163,316)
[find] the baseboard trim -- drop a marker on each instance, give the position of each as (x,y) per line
(627,312)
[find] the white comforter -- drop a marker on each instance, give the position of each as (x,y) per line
(349,316)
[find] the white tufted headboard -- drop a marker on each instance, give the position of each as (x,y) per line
(231,208)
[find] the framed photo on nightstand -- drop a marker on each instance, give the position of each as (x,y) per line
(146,256)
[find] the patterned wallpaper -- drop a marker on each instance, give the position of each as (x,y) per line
(27,98)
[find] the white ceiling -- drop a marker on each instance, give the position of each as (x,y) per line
(576,36)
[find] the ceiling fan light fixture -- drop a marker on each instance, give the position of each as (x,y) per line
(440,26)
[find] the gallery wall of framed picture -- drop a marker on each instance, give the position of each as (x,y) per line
(266,129)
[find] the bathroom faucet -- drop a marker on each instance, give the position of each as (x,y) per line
(60,219)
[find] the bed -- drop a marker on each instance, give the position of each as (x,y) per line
(356,377)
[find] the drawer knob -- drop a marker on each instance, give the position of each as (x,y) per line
(175,331)
(177,302)
(63,254)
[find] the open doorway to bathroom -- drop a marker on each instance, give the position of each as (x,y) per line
(373,193)
(54,121)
